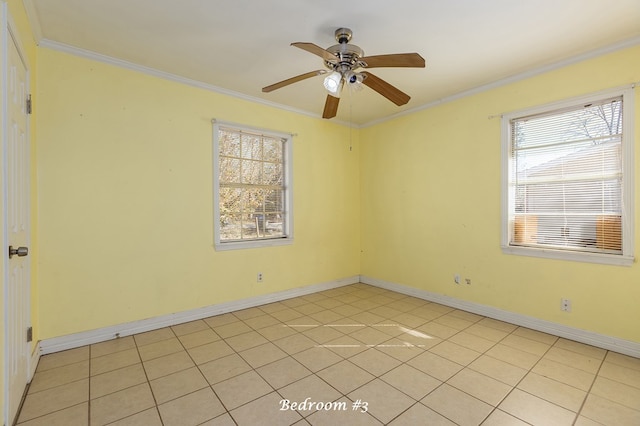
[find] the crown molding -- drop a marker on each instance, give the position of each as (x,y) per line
(634,41)
(32,15)
(98,57)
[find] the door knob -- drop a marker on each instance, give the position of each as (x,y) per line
(20,251)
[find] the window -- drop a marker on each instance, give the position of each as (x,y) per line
(252,190)
(568,180)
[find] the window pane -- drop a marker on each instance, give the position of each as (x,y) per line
(229,170)
(229,144)
(251,146)
(251,185)
(273,150)
(273,201)
(249,226)
(567,178)
(231,227)
(251,172)
(272,174)
(229,200)
(251,200)
(273,225)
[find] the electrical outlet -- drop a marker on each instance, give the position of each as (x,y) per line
(456,279)
(565,305)
(468,281)
(259,277)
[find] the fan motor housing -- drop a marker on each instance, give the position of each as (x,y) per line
(346,55)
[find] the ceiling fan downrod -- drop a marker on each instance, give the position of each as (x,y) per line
(343,35)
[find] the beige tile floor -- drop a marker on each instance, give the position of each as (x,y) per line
(408,361)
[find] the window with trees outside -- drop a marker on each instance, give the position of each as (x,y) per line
(568,180)
(252,189)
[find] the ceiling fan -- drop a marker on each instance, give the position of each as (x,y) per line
(342,61)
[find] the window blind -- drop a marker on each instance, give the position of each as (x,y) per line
(566,178)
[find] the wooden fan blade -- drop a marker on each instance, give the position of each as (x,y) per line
(385,89)
(293,80)
(316,50)
(330,107)
(394,60)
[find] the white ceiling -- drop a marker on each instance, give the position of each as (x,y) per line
(240,46)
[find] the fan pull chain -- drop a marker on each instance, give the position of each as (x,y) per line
(350,121)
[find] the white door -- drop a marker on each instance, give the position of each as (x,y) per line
(17,278)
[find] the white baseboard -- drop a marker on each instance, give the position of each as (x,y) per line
(75,340)
(57,344)
(615,344)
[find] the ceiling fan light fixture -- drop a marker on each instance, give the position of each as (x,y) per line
(332,83)
(352,77)
(340,62)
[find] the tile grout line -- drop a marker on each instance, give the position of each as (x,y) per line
(289,355)
(379,377)
(138,347)
(417,401)
(236,352)
(226,410)
(387,315)
(494,407)
(315,373)
(391,337)
(341,394)
(27,393)
(529,370)
(515,386)
(577,413)
(135,342)
(595,377)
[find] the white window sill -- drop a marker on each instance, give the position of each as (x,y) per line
(238,245)
(606,259)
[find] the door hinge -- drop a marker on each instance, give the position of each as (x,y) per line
(29,104)
(29,334)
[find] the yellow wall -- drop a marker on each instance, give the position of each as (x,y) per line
(124,219)
(125,198)
(431,206)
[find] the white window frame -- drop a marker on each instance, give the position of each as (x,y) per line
(221,245)
(626,258)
